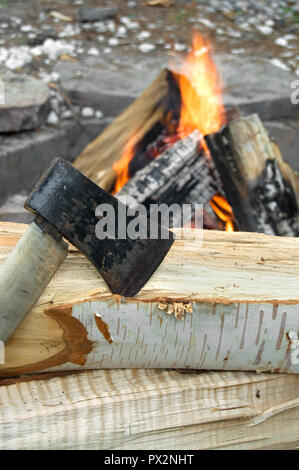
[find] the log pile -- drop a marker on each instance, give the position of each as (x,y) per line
(219,301)
(224,301)
(239,285)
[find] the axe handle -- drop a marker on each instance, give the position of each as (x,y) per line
(25,274)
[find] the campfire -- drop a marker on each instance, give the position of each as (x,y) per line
(200,106)
(178,144)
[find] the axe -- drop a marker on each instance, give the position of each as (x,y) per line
(65,202)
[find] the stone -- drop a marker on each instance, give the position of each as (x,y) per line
(13,210)
(99,114)
(53,48)
(206,22)
(17,57)
(87,112)
(147,47)
(278,63)
(285,133)
(52,118)
(67,114)
(143,35)
(111,26)
(129,23)
(98,82)
(179,47)
(121,31)
(26,28)
(69,31)
(25,156)
(111,82)
(96,14)
(113,42)
(25,105)
(251,80)
(93,51)
(281,42)
(264,29)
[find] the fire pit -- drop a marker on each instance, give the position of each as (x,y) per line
(229,165)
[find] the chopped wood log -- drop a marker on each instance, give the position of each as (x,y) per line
(218,301)
(261,188)
(151,409)
(183,174)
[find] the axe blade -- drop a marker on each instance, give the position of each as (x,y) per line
(68,200)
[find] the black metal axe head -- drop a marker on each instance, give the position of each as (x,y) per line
(68,200)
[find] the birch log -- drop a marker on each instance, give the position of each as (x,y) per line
(151,409)
(218,301)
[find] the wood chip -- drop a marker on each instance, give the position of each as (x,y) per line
(61,16)
(159,3)
(67,57)
(177,308)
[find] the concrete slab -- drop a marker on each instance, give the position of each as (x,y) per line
(24,156)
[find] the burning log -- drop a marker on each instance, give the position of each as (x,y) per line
(260,186)
(139,119)
(175,105)
(229,303)
(262,190)
(183,174)
(175,102)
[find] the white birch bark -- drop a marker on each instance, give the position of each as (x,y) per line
(218,301)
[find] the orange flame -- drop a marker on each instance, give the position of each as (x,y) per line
(200,89)
(121,167)
(201,109)
(224,211)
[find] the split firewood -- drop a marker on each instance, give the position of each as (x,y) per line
(153,409)
(218,301)
(260,186)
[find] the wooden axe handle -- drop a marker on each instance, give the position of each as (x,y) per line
(25,274)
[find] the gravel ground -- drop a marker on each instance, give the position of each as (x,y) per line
(32,39)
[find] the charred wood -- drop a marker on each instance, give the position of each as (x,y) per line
(261,188)
(183,174)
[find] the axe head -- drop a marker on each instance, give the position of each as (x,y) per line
(69,201)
